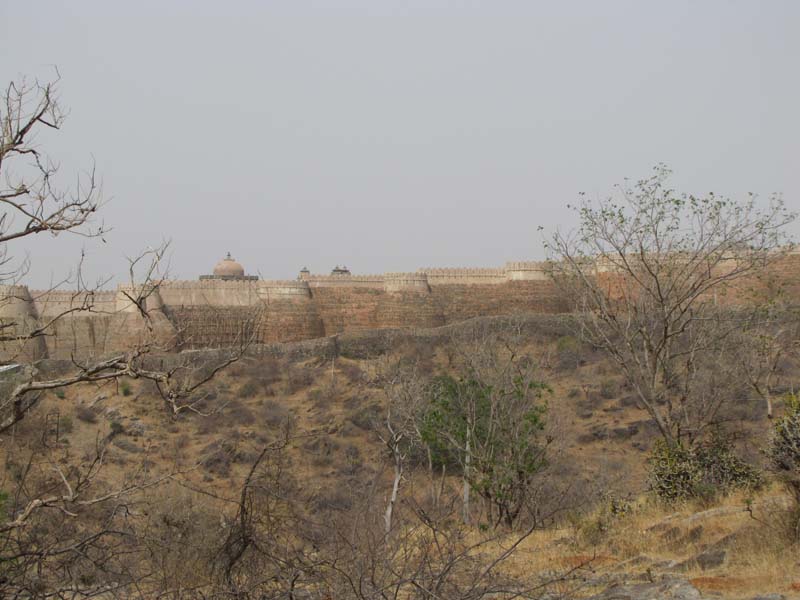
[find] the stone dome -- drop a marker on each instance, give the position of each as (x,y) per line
(228,267)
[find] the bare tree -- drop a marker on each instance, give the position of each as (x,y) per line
(654,276)
(406,402)
(765,343)
(64,530)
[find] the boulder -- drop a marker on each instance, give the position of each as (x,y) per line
(667,589)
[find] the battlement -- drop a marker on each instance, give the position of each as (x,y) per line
(528,270)
(406,282)
(438,276)
(215,310)
(209,284)
(345,280)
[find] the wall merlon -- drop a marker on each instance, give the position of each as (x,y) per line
(437,276)
(528,270)
(400,282)
(363,281)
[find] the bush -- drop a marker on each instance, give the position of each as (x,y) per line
(609,389)
(569,353)
(366,417)
(784,450)
(298,379)
(238,414)
(352,372)
(3,505)
(86,414)
(678,472)
(65,424)
(250,388)
(594,528)
(274,414)
(125,388)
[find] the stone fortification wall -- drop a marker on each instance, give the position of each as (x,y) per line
(217,313)
(528,271)
(51,303)
(343,308)
(465,301)
(81,324)
(213,292)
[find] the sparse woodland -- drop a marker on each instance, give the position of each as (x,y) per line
(654,430)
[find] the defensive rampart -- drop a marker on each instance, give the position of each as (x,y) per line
(216,313)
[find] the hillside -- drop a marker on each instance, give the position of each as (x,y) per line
(320,406)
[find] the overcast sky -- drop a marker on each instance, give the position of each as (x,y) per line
(390,136)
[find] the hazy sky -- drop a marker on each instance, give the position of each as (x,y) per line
(390,136)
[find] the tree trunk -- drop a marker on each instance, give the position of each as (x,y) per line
(467,462)
(398,474)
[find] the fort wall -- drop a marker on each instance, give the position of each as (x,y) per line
(216,313)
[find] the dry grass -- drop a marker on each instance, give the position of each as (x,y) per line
(760,557)
(337,411)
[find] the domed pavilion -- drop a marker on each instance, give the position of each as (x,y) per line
(229,270)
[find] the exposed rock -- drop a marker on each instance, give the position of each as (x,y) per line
(127,445)
(709,559)
(98,398)
(112,414)
(694,534)
(671,534)
(623,433)
(135,428)
(668,589)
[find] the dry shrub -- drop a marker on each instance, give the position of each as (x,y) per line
(181,536)
(250,388)
(332,500)
(86,414)
(298,378)
(238,414)
(570,353)
(609,389)
(322,449)
(365,417)
(274,414)
(784,453)
(210,424)
(218,458)
(352,372)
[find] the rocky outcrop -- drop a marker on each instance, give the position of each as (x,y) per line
(667,589)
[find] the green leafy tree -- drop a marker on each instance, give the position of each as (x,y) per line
(493,432)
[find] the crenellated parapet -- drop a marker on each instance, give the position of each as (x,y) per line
(406,282)
(464,276)
(528,271)
(275,290)
(346,280)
